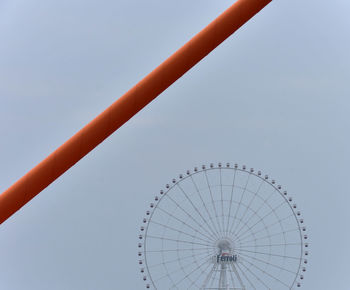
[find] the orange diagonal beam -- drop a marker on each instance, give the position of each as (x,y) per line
(127,106)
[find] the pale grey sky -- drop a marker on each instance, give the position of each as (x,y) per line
(275,96)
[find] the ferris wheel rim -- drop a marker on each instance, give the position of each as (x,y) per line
(189,174)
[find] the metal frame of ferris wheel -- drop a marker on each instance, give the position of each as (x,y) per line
(225,269)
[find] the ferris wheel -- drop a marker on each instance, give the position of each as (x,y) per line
(223,227)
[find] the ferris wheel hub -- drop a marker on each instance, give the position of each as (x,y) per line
(225,246)
(225,254)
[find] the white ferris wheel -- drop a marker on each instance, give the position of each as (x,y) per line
(223,227)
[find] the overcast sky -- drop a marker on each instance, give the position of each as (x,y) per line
(275,97)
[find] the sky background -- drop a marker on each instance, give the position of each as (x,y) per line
(275,97)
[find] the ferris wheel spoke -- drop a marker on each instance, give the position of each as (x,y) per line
(222,203)
(232,278)
(207,278)
(269,236)
(230,206)
(254,275)
(181,268)
(238,269)
(251,233)
(240,281)
(213,278)
(255,194)
(190,216)
(212,200)
(180,241)
(178,231)
(193,271)
(268,226)
(202,272)
(184,223)
(178,259)
(265,272)
(165,266)
(256,211)
(269,245)
(261,219)
(176,250)
(270,254)
(204,205)
(239,204)
(196,209)
(268,263)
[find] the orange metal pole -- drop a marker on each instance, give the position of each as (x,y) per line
(127,106)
